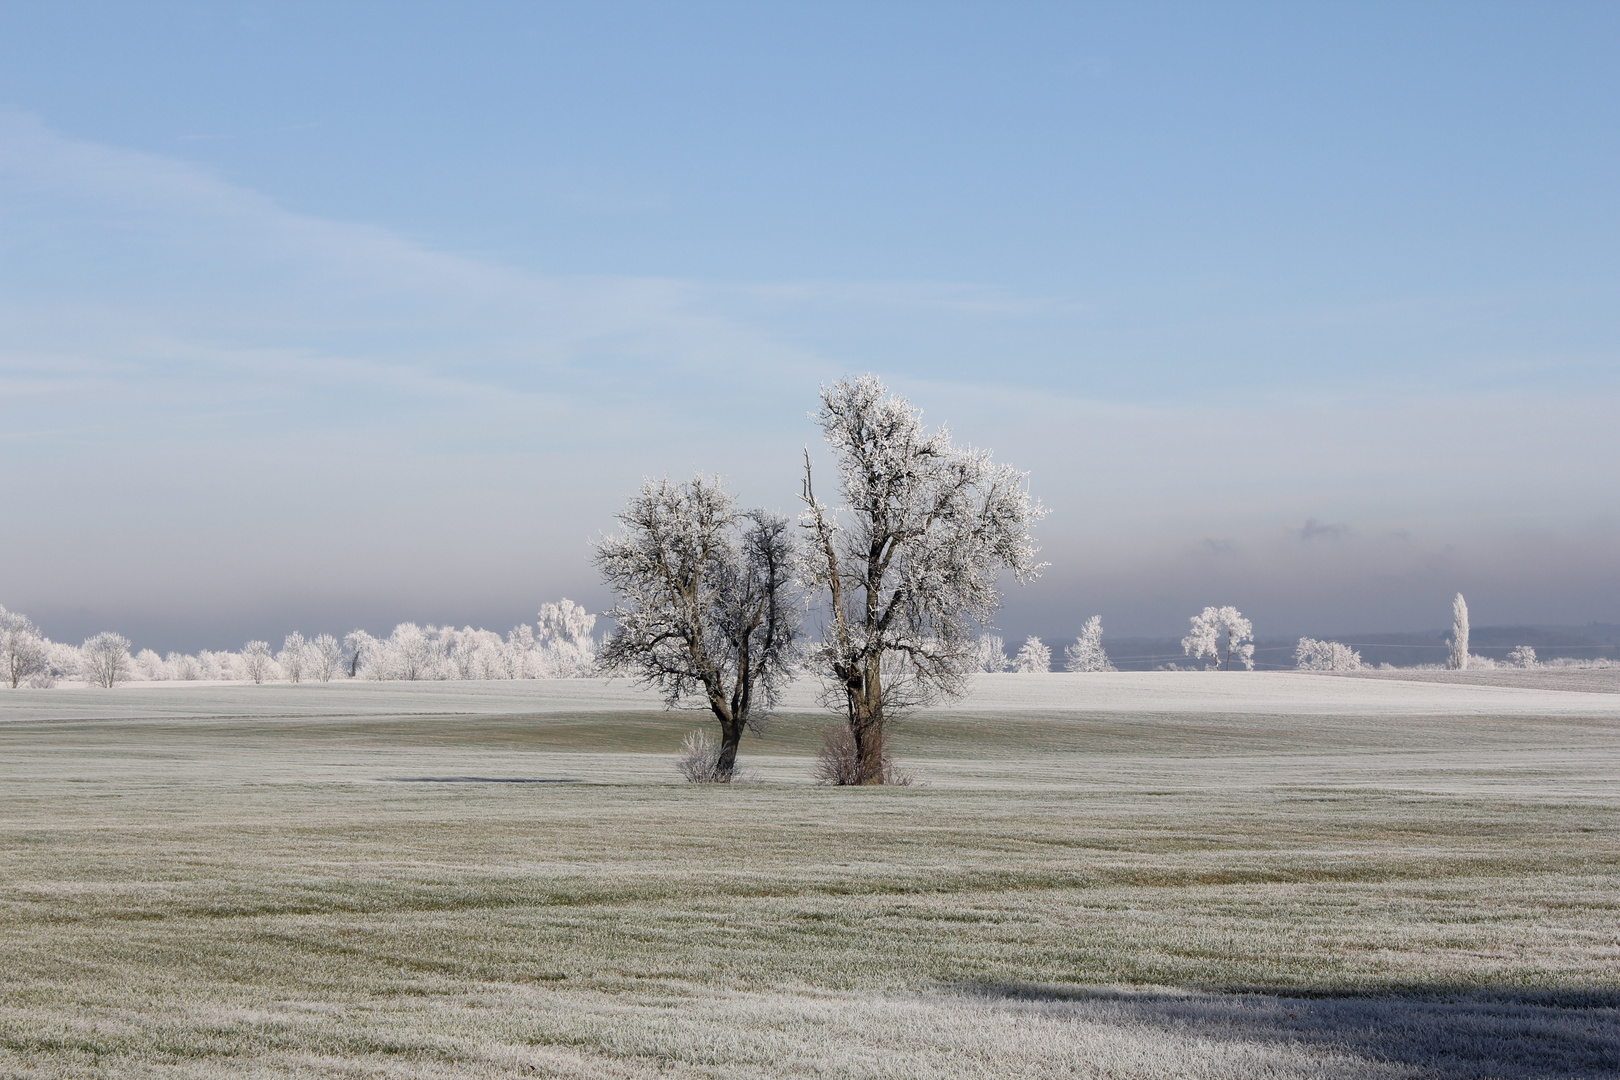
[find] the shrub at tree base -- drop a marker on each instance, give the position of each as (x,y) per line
(700,760)
(838,762)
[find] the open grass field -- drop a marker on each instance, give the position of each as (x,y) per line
(1120,875)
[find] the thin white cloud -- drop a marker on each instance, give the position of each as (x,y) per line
(221,382)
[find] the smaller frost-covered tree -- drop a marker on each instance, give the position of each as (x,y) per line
(1033,657)
(257,661)
(706,609)
(216,664)
(567,650)
(104,660)
(150,666)
(183,667)
(294,657)
(480,654)
(23,649)
(325,657)
(62,661)
(520,652)
(1313,655)
(1087,654)
(1459,633)
(359,647)
(409,653)
(991,654)
(1218,631)
(1522,656)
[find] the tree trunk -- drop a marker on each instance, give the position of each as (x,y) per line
(866,725)
(730,737)
(869,750)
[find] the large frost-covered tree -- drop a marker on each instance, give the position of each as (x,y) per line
(1033,657)
(23,652)
(104,660)
(1087,653)
(907,565)
(1221,630)
(1459,633)
(704,610)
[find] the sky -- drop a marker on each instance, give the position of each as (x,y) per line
(315,316)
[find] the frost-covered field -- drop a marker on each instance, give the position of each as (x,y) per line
(1504,693)
(1121,875)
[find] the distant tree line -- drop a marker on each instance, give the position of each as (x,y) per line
(558,646)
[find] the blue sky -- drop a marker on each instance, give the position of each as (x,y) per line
(315,318)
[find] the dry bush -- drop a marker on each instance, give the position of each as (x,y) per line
(700,759)
(835,761)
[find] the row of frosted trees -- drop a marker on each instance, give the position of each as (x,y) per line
(1222,636)
(1086,654)
(1219,634)
(558,646)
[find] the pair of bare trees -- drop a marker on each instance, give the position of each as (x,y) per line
(902,571)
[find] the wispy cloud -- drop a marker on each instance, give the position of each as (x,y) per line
(1318,530)
(222,382)
(198,286)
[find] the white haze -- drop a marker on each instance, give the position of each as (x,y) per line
(226,420)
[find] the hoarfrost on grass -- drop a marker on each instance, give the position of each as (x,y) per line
(373,878)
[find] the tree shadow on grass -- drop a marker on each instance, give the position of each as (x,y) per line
(1444,1033)
(479,780)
